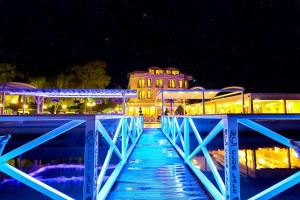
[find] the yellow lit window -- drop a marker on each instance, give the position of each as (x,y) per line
(175,72)
(180,84)
(159,83)
(149,94)
(186,84)
(293,106)
(158,71)
(168,71)
(151,71)
(171,83)
(149,82)
(141,94)
(141,83)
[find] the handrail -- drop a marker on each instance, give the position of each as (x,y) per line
(228,124)
(130,134)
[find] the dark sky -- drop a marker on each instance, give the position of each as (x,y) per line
(252,43)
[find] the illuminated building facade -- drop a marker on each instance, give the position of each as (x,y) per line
(148,84)
(256,103)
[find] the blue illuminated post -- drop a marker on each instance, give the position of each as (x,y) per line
(90,159)
(124,136)
(162,103)
(231,148)
(173,129)
(186,138)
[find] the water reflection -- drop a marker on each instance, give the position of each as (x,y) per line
(259,162)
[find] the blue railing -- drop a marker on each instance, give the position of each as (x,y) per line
(177,130)
(128,130)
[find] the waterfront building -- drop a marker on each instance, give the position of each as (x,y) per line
(254,103)
(148,84)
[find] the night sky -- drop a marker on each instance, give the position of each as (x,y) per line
(251,43)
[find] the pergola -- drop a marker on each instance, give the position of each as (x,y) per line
(199,93)
(40,94)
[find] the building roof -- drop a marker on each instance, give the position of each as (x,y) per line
(198,93)
(84,93)
(15,85)
(172,68)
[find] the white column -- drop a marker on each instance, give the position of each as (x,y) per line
(123,104)
(3,104)
(243,103)
(42,107)
(24,103)
(38,101)
(203,102)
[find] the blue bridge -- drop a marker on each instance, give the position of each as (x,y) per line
(138,163)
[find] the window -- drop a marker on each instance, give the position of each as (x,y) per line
(175,72)
(159,83)
(141,83)
(180,84)
(141,94)
(151,71)
(171,83)
(149,83)
(159,71)
(149,94)
(168,71)
(186,84)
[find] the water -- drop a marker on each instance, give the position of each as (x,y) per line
(60,164)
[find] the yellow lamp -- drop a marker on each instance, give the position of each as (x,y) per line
(64,106)
(14,101)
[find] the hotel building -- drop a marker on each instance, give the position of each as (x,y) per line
(148,84)
(175,84)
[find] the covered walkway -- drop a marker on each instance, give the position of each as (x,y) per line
(156,171)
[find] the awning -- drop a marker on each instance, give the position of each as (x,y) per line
(76,93)
(198,93)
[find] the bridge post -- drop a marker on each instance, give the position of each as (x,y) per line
(231,148)
(90,159)
(173,128)
(124,136)
(186,138)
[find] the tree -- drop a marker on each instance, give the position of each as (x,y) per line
(61,81)
(39,82)
(89,75)
(7,72)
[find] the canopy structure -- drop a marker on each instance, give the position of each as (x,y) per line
(14,88)
(199,93)
(84,93)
